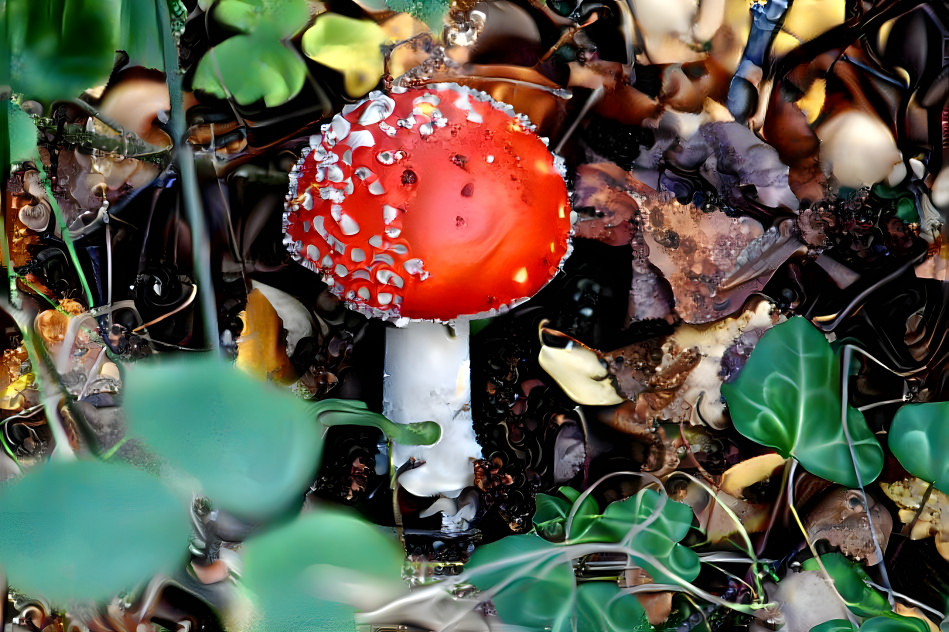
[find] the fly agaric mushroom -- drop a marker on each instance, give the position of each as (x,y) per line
(427,206)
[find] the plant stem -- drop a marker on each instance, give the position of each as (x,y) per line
(5,93)
(184,160)
(64,229)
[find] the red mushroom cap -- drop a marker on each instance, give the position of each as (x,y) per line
(429,204)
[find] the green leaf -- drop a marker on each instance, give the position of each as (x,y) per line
(253,448)
(248,15)
(350,46)
(602,606)
(918,438)
(23,134)
(788,397)
(534,588)
(89,530)
(59,48)
(894,623)
(139,34)
(654,524)
(550,518)
(835,625)
(432,12)
(347,412)
(851,582)
(316,571)
(252,67)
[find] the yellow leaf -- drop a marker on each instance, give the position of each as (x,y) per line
(580,373)
(262,346)
(350,46)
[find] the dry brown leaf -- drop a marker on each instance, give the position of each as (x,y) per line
(933,518)
(262,346)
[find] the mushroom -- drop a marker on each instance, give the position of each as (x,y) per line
(428,207)
(36,214)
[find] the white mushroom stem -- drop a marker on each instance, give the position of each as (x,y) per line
(428,377)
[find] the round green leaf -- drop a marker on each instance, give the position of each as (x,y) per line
(787,397)
(252,67)
(253,448)
(533,588)
(550,518)
(23,134)
(315,572)
(894,623)
(659,539)
(247,15)
(89,530)
(601,606)
(918,438)
(851,582)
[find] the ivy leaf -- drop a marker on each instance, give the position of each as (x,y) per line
(550,518)
(851,582)
(601,606)
(349,46)
(89,530)
(253,448)
(535,588)
(252,67)
(654,525)
(432,12)
(894,623)
(316,571)
(787,397)
(59,48)
(862,599)
(918,439)
(658,539)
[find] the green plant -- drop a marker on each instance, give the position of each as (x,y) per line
(76,530)
(316,571)
(788,397)
(257,63)
(531,580)
(253,448)
(918,438)
(867,603)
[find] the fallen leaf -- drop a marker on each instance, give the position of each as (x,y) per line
(262,346)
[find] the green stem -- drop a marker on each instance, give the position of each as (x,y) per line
(5,90)
(184,160)
(40,371)
(64,229)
